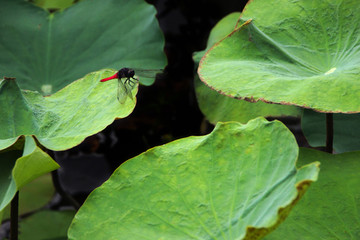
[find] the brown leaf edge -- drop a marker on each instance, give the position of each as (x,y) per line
(283,212)
(251,98)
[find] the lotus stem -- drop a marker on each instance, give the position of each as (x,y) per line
(62,192)
(58,187)
(14,217)
(329,132)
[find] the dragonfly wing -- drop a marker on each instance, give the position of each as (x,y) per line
(121,91)
(128,90)
(125,89)
(147,73)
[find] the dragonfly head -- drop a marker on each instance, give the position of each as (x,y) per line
(131,73)
(126,73)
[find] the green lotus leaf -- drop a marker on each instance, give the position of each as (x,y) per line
(217,107)
(346,130)
(7,186)
(34,195)
(46,225)
(64,119)
(308,55)
(47,51)
(225,26)
(330,208)
(20,164)
(238,182)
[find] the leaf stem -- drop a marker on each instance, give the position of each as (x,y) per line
(329,132)
(14,217)
(58,187)
(61,191)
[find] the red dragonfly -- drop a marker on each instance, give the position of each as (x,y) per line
(125,87)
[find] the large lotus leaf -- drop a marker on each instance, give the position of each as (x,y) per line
(330,208)
(19,165)
(64,119)
(217,107)
(238,182)
(47,51)
(225,26)
(346,130)
(304,53)
(49,225)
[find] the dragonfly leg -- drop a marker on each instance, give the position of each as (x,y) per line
(131,82)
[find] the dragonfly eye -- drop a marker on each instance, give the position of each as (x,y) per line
(131,72)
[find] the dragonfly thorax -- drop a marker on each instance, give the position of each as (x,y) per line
(126,73)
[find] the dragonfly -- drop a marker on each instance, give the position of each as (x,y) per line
(125,87)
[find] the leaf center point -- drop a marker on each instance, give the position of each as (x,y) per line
(330,71)
(46,89)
